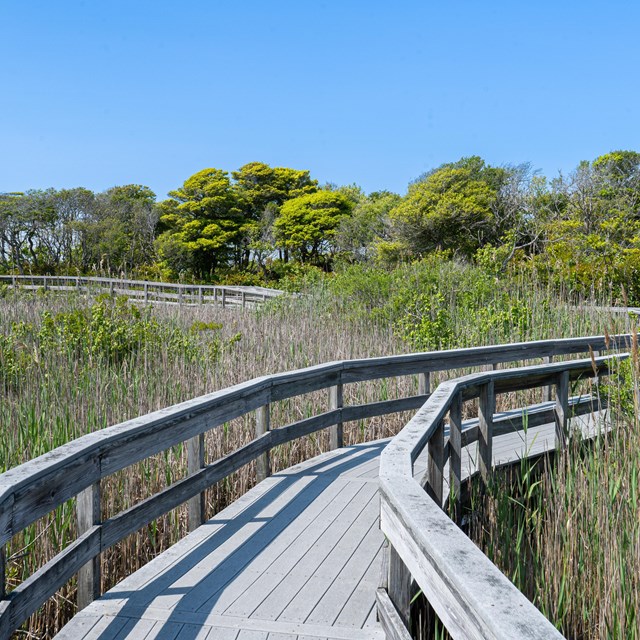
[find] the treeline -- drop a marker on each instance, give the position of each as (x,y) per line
(260,223)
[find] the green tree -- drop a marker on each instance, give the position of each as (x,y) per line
(308,224)
(201,224)
(451,208)
(358,233)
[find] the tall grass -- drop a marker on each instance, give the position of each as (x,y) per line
(62,378)
(566,529)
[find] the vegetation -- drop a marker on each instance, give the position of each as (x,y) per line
(580,233)
(72,364)
(472,255)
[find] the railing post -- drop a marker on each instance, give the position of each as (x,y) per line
(45,285)
(263,424)
(88,514)
(224,297)
(180,294)
(546,391)
(244,298)
(111,287)
(562,409)
(336,432)
(399,585)
(146,292)
(195,462)
(485,429)
(199,295)
(455,454)
(435,464)
(424,383)
(3,572)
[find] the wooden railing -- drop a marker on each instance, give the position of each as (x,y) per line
(146,291)
(471,597)
(75,470)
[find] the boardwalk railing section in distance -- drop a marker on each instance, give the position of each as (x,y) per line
(146,291)
(75,470)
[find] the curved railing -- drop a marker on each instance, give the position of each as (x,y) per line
(472,598)
(147,291)
(32,490)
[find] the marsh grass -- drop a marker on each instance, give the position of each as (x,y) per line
(57,394)
(565,528)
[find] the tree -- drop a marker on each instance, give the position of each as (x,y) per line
(308,224)
(450,208)
(259,185)
(201,223)
(368,223)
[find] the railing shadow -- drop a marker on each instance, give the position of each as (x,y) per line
(223,573)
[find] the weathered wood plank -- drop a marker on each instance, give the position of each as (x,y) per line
(435,465)
(486,409)
(263,425)
(389,618)
(26,598)
(336,432)
(195,462)
(88,514)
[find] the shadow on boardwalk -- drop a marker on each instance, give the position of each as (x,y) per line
(126,604)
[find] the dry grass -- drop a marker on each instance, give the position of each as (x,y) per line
(63,398)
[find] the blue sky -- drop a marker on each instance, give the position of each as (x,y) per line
(99,93)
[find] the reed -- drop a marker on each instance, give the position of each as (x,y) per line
(53,394)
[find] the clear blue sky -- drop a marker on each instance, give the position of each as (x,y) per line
(99,93)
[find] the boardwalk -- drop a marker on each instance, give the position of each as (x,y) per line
(296,558)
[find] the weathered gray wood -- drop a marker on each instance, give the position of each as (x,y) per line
(469,594)
(126,522)
(424,383)
(336,433)
(27,597)
(195,462)
(37,487)
(562,409)
(263,425)
(455,453)
(383,408)
(389,618)
(435,464)
(546,392)
(3,572)
(399,585)
(486,409)
(224,298)
(89,515)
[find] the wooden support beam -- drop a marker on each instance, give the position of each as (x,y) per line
(562,410)
(263,424)
(435,464)
(424,383)
(486,410)
(546,391)
(88,514)
(195,462)
(336,432)
(455,456)
(399,586)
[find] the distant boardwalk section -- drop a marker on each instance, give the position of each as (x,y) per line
(147,291)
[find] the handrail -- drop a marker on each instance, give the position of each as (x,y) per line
(472,598)
(35,488)
(147,290)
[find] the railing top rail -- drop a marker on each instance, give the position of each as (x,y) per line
(250,289)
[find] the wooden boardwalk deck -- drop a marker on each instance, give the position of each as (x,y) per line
(296,558)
